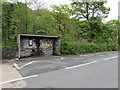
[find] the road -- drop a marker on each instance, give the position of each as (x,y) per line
(100,72)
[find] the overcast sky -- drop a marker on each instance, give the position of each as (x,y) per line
(113,4)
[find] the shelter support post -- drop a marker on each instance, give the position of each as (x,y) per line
(56,47)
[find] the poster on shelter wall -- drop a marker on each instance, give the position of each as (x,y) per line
(46,43)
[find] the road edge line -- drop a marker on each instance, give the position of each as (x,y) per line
(19,79)
(81,65)
(111,58)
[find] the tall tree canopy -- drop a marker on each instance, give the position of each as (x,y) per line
(93,12)
(78,22)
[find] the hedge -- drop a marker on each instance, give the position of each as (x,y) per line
(77,48)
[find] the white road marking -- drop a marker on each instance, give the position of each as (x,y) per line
(81,65)
(89,63)
(18,79)
(111,58)
(28,64)
(16,66)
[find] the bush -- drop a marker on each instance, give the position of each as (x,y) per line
(77,48)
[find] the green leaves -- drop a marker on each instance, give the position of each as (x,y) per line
(61,14)
(93,12)
(43,20)
(77,24)
(77,48)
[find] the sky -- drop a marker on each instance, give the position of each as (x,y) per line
(113,4)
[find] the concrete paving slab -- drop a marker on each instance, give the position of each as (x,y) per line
(10,73)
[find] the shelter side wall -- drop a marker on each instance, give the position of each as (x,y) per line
(56,47)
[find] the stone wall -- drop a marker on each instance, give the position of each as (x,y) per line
(9,52)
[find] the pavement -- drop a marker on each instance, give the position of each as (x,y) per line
(9,73)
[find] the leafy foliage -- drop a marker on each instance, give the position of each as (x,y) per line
(80,25)
(76,48)
(93,12)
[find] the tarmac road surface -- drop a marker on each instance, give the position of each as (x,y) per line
(101,71)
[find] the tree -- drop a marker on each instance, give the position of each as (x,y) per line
(8,24)
(61,14)
(90,11)
(24,16)
(113,28)
(15,20)
(44,22)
